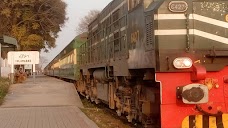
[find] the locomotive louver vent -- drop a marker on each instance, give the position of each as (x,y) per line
(149,33)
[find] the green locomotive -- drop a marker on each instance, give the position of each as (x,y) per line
(161,62)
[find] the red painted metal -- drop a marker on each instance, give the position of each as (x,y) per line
(198,72)
(226,79)
(173,111)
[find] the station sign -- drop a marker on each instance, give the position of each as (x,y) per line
(23,57)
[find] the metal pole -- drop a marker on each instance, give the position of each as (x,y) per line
(12,70)
(12,74)
(0,60)
(34,73)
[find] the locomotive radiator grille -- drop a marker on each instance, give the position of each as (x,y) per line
(203,121)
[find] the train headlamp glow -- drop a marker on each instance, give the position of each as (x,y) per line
(182,63)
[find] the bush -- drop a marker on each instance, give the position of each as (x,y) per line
(4,86)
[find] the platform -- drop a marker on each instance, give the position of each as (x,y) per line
(49,103)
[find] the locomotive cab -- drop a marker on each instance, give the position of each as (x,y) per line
(196,30)
(161,62)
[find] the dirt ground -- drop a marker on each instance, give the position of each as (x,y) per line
(104,117)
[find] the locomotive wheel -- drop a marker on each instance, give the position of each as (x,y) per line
(92,99)
(97,101)
(92,93)
(118,112)
(129,118)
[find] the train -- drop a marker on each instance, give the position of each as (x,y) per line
(163,63)
(64,65)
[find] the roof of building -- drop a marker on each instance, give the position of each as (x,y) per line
(9,41)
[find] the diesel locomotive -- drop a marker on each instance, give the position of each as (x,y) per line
(161,62)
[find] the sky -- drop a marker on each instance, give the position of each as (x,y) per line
(76,9)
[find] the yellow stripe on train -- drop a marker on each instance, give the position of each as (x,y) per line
(197,121)
(212,122)
(225,120)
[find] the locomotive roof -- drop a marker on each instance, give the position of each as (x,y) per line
(155,5)
(75,43)
(9,41)
(104,9)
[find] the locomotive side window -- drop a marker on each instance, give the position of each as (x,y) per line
(115,18)
(108,29)
(95,36)
(116,42)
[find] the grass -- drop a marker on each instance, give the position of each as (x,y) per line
(4,86)
(103,116)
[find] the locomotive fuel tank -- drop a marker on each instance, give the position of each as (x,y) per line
(100,75)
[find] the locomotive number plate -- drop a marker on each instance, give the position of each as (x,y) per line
(178,6)
(226,18)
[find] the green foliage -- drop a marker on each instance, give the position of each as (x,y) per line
(4,86)
(34,23)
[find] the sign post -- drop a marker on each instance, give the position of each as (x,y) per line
(0,59)
(22,58)
(34,71)
(11,71)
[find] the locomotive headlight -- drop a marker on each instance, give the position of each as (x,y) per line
(182,63)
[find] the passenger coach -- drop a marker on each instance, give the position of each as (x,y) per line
(64,65)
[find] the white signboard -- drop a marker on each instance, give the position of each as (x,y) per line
(23,57)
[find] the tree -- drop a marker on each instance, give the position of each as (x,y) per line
(34,23)
(85,21)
